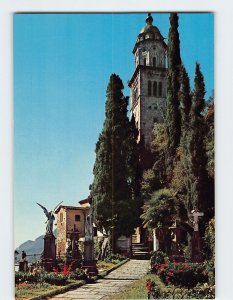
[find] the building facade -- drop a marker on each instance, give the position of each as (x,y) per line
(70,219)
(148,84)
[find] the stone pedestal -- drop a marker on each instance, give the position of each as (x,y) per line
(124,246)
(49,255)
(89,263)
(196,242)
(23,265)
(176,251)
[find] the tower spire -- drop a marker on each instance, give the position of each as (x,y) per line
(149,19)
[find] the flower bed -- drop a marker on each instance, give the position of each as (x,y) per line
(38,282)
(184,280)
(181,274)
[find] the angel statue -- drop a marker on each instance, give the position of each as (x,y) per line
(50,218)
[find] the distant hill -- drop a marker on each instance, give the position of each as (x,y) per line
(32,248)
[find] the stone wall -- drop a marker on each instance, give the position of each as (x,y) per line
(68,220)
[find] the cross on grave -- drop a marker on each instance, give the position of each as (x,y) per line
(196,214)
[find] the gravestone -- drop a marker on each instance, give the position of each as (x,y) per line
(163,237)
(176,236)
(124,245)
(196,240)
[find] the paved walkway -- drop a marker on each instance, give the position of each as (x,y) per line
(113,283)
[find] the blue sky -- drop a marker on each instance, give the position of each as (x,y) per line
(62,64)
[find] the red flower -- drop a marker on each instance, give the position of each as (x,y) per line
(167,279)
(149,285)
(185,266)
(174,260)
(24,284)
(181,271)
(55,270)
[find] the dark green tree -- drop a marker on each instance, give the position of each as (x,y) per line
(173,118)
(114,193)
(185,97)
(134,169)
(209,118)
(200,188)
(182,180)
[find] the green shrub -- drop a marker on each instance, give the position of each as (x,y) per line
(55,279)
(26,277)
(199,292)
(182,274)
(78,274)
(114,258)
(209,271)
(158,257)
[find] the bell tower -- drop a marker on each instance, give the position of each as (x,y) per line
(148,84)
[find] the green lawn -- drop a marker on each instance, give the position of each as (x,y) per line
(33,290)
(137,290)
(104,266)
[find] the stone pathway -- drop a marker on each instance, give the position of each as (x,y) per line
(113,283)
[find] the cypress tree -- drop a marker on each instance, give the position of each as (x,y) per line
(112,197)
(185,98)
(173,119)
(134,170)
(198,157)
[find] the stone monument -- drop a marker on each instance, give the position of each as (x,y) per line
(176,236)
(196,240)
(49,254)
(23,263)
(89,263)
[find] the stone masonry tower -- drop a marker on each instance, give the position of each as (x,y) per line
(148,83)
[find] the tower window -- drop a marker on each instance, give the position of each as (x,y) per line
(144,61)
(149,88)
(155,88)
(160,89)
(154,61)
(77,218)
(149,107)
(61,217)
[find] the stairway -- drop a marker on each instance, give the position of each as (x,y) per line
(140,251)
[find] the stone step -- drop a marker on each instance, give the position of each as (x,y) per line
(140,248)
(141,256)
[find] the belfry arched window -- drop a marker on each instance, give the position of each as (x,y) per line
(160,89)
(154,61)
(149,88)
(144,61)
(155,88)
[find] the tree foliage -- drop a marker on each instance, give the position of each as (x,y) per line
(115,192)
(162,209)
(173,118)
